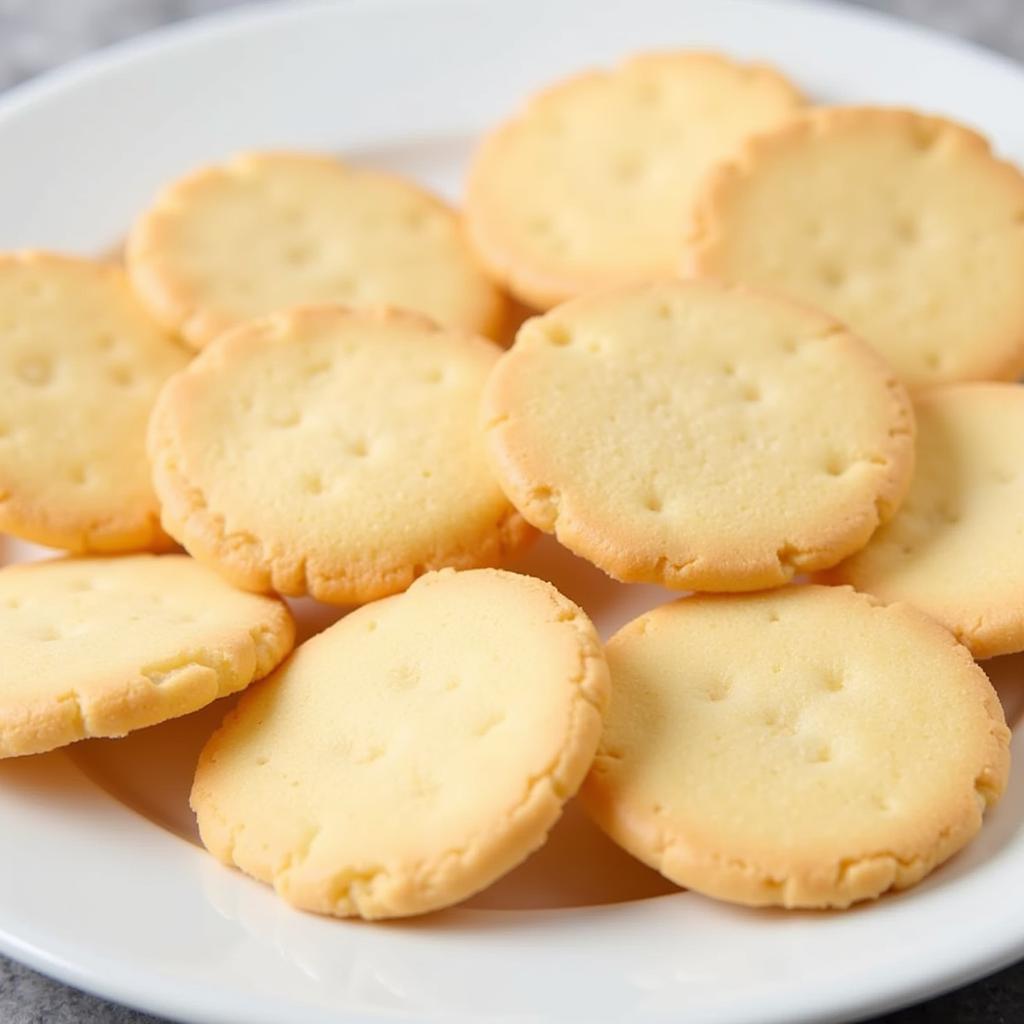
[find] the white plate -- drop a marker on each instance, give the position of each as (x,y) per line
(102,883)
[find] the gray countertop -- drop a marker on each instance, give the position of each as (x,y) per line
(38,34)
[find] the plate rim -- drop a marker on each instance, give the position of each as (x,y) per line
(231,19)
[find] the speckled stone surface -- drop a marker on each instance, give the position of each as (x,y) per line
(38,34)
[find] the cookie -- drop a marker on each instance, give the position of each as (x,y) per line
(412,753)
(590,185)
(905,227)
(332,452)
(80,366)
(270,230)
(698,436)
(806,747)
(102,646)
(956,549)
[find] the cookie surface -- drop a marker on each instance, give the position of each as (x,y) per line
(266,231)
(102,646)
(905,227)
(956,548)
(590,185)
(333,453)
(412,753)
(698,436)
(80,367)
(801,748)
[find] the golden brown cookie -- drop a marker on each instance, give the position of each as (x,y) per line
(104,646)
(265,231)
(956,548)
(903,226)
(591,183)
(698,436)
(412,753)
(80,366)
(807,747)
(334,453)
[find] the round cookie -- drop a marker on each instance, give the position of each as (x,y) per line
(266,231)
(412,753)
(590,185)
(956,549)
(905,227)
(698,436)
(102,646)
(806,747)
(332,452)
(80,366)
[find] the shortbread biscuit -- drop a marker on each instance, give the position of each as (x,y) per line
(265,231)
(333,453)
(956,548)
(590,185)
(698,436)
(412,753)
(806,747)
(80,366)
(102,646)
(905,227)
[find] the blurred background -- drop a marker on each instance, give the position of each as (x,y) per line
(36,34)
(39,34)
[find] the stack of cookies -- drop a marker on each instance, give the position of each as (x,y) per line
(772,362)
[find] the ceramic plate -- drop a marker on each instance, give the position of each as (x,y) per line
(103,884)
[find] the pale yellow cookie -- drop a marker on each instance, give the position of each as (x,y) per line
(333,453)
(956,548)
(806,747)
(698,436)
(269,230)
(905,227)
(102,646)
(591,183)
(80,366)
(412,753)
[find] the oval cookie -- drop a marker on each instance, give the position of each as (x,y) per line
(412,753)
(590,185)
(806,747)
(956,549)
(99,647)
(905,227)
(80,367)
(270,230)
(698,436)
(333,453)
